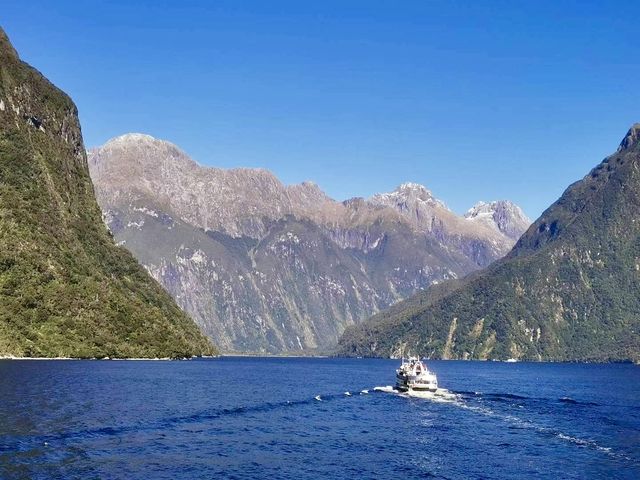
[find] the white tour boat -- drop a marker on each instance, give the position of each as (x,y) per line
(414,376)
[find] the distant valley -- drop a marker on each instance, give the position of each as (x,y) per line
(269,268)
(569,290)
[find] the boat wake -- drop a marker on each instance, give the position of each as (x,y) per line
(457,399)
(387,389)
(463,400)
(440,395)
(513,398)
(546,431)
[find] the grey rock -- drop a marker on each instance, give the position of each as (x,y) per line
(265,267)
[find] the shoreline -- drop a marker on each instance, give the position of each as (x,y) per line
(280,356)
(109,359)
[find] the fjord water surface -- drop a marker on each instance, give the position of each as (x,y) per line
(247,418)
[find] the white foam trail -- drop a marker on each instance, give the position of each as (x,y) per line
(387,389)
(440,395)
(444,395)
(582,442)
(543,430)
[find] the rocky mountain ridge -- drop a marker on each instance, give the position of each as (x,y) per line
(569,289)
(267,267)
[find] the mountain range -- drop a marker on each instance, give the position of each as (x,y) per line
(271,268)
(568,290)
(66,290)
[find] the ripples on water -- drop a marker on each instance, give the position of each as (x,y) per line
(291,418)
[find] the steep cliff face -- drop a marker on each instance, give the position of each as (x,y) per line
(569,289)
(65,288)
(270,268)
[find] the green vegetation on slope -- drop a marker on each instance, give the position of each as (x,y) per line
(65,288)
(569,289)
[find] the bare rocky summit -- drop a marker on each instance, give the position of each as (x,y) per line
(504,215)
(266,267)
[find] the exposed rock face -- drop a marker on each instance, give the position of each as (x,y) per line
(569,289)
(266,267)
(65,288)
(504,215)
(159,170)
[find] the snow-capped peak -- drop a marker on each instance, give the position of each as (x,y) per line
(503,215)
(411,186)
(407,192)
(482,208)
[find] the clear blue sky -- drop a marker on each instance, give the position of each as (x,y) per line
(476,100)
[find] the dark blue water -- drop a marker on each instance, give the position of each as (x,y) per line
(248,418)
